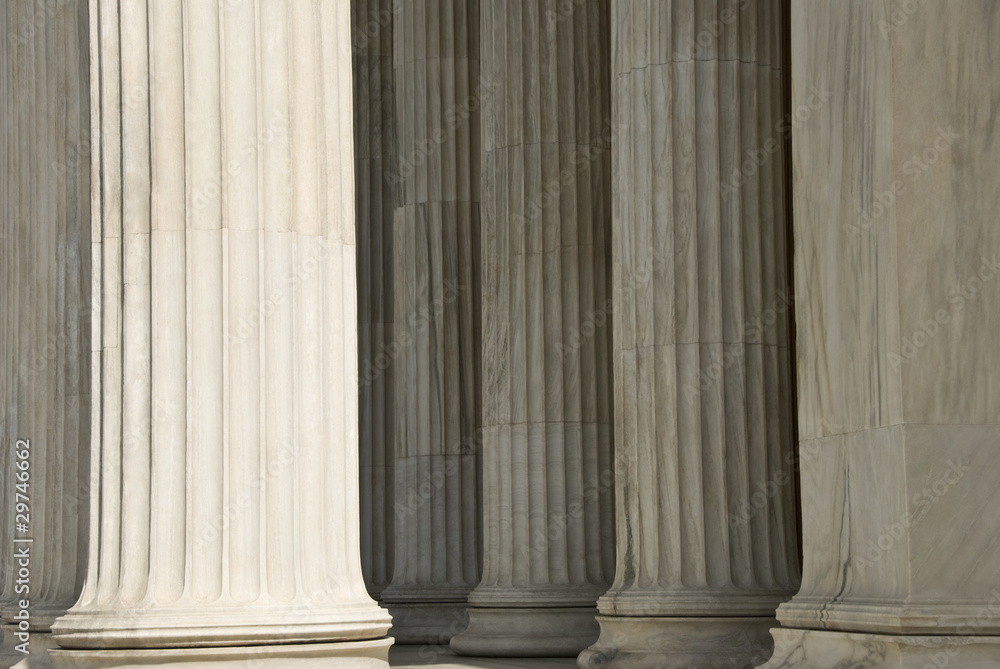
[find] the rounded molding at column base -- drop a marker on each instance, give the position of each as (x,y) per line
(576,596)
(41,617)
(218,626)
(427,622)
(911,617)
(655,642)
(527,632)
(372,654)
(815,649)
(692,602)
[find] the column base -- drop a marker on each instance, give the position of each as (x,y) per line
(39,645)
(814,649)
(222,627)
(660,642)
(346,655)
(427,623)
(527,632)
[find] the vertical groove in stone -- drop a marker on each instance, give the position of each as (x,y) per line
(701,344)
(277,266)
(44,243)
(204,278)
(437,230)
(376,162)
(136,303)
(547,400)
(241,220)
(168,524)
(227,238)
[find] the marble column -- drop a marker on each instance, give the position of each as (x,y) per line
(44,336)
(897,264)
(375,160)
(438,462)
(226,457)
(547,414)
(707,538)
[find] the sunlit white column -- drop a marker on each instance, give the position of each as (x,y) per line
(226,436)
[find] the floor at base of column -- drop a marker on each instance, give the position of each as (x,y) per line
(442,657)
(37,645)
(658,642)
(527,632)
(815,649)
(347,655)
(426,623)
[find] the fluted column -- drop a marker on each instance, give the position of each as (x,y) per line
(438,463)
(44,336)
(226,458)
(707,538)
(375,161)
(897,264)
(547,450)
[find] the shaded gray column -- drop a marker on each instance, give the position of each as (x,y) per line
(707,537)
(547,415)
(438,464)
(45,335)
(226,436)
(376,166)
